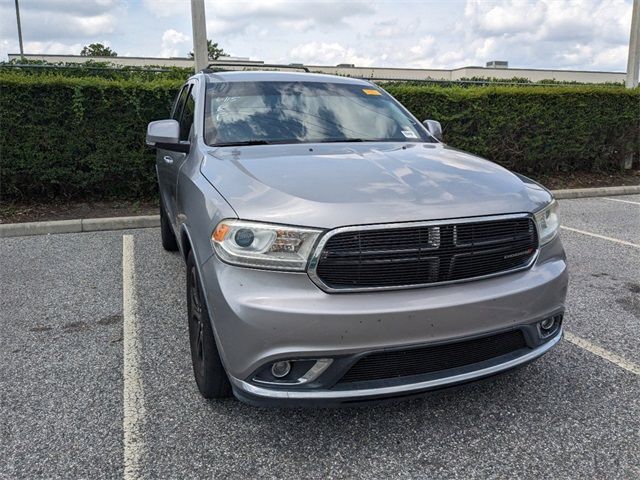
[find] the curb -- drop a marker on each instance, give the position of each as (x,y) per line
(148,221)
(78,226)
(595,192)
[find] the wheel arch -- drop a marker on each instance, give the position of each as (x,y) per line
(185,244)
(186,248)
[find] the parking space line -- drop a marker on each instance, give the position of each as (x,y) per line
(621,201)
(602,353)
(622,242)
(133,401)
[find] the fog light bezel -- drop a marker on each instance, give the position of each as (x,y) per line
(547,324)
(552,329)
(301,371)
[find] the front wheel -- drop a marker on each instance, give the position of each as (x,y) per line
(211,377)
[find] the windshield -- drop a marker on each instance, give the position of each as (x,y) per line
(254,113)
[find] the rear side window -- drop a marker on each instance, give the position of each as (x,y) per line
(186,120)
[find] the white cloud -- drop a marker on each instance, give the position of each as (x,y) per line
(611,58)
(424,47)
(575,34)
(320,53)
(174,43)
(582,34)
(548,33)
(394,28)
(59,20)
(312,11)
(58,26)
(231,19)
(53,48)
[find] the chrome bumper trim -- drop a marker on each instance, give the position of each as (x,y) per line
(394,390)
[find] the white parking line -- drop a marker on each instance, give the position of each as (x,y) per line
(602,353)
(621,201)
(134,410)
(621,242)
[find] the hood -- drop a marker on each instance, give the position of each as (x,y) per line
(331,185)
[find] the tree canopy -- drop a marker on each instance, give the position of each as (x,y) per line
(97,50)
(215,51)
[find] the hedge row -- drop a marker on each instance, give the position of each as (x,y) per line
(535,129)
(84,137)
(78,137)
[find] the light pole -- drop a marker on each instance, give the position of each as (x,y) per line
(633,63)
(199,26)
(19,30)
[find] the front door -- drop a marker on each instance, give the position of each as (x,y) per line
(168,162)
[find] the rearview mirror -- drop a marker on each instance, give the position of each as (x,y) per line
(166,134)
(434,128)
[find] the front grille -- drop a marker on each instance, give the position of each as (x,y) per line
(423,360)
(426,254)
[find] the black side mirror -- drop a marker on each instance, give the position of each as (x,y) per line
(434,128)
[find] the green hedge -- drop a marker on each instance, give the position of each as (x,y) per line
(535,129)
(84,137)
(78,137)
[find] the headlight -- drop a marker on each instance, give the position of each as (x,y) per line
(263,245)
(547,222)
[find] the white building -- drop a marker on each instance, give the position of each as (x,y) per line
(495,69)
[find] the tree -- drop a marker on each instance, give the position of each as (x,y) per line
(97,50)
(215,52)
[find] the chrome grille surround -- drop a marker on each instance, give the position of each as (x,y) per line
(315,258)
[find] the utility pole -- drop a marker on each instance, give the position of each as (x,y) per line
(199,26)
(633,63)
(19,30)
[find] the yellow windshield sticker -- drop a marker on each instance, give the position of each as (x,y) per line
(370,91)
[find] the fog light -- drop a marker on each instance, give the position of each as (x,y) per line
(280,369)
(548,324)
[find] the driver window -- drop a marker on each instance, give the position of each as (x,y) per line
(186,122)
(176,113)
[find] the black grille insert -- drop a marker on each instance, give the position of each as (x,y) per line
(420,255)
(423,360)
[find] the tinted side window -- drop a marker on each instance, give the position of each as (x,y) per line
(177,107)
(187,117)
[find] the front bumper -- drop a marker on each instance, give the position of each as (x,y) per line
(261,316)
(257,395)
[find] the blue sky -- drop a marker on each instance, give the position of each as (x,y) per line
(570,34)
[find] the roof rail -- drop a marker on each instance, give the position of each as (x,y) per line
(220,66)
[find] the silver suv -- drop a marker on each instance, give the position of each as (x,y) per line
(337,251)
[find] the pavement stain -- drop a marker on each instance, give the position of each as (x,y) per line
(110,320)
(41,328)
(630,304)
(75,327)
(80,325)
(633,288)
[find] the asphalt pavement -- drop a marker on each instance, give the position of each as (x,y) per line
(575,413)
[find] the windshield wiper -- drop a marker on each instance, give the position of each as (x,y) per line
(345,140)
(257,142)
(240,144)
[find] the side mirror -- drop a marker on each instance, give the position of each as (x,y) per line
(166,134)
(434,128)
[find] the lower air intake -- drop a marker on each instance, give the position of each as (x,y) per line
(423,360)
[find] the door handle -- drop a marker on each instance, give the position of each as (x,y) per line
(168,159)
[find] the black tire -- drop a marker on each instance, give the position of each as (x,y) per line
(169,242)
(210,375)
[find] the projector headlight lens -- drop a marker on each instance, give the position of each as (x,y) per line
(264,245)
